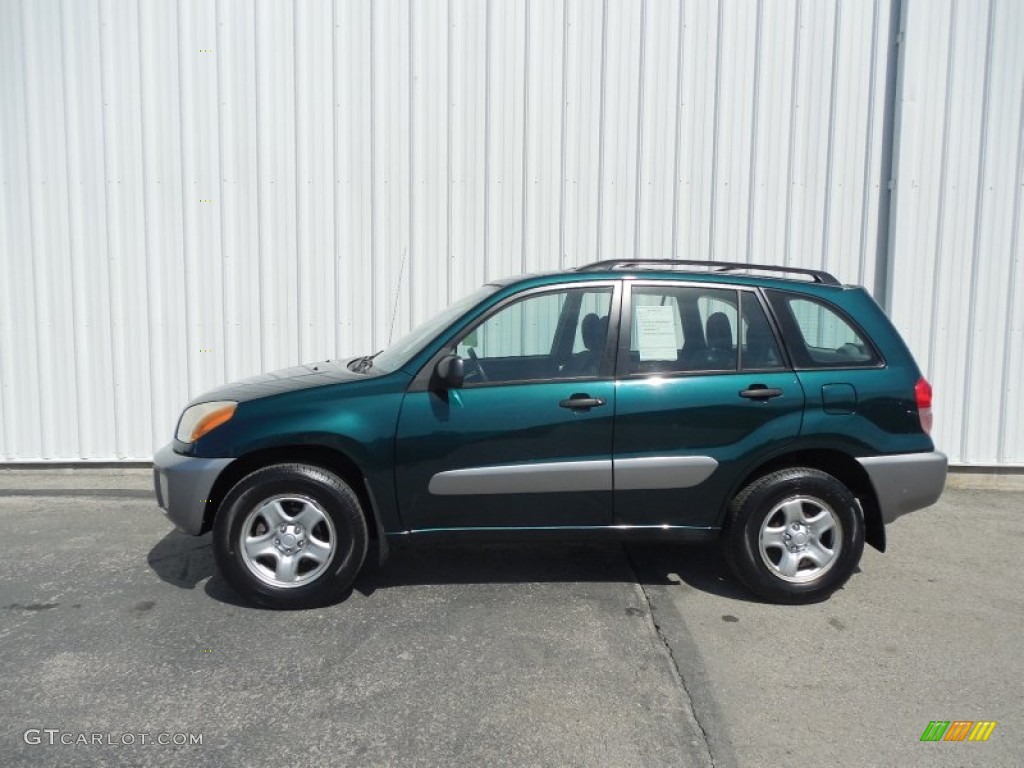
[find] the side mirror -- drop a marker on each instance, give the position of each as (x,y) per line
(451,371)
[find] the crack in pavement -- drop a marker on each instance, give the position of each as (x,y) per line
(690,709)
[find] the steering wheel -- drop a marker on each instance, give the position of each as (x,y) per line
(476,364)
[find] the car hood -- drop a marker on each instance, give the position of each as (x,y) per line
(285,380)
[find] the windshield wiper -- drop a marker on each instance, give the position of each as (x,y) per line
(364,363)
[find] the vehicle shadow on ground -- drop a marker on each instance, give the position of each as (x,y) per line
(187,562)
(698,566)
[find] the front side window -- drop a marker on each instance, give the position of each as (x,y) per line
(818,335)
(556,334)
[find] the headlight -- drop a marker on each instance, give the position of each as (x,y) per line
(200,419)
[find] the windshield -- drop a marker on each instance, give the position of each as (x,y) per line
(403,350)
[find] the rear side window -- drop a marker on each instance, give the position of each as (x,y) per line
(677,328)
(819,335)
(692,329)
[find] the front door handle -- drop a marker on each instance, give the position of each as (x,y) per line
(760,392)
(582,402)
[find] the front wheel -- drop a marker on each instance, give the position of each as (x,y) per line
(794,536)
(290,536)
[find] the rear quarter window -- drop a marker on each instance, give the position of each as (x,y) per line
(820,335)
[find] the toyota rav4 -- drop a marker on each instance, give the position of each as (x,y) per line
(770,408)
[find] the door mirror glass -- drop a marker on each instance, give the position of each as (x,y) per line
(451,371)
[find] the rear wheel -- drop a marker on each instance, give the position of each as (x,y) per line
(794,536)
(290,536)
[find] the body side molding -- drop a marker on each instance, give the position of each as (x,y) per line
(543,477)
(660,472)
(643,473)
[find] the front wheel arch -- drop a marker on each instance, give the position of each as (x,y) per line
(326,458)
(291,535)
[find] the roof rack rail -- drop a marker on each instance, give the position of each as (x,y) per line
(819,276)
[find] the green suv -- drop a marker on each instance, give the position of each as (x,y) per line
(769,407)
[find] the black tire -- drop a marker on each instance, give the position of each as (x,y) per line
(304,493)
(758,507)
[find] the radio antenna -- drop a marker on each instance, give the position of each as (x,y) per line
(398,288)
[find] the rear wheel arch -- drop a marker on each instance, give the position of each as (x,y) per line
(841,466)
(794,535)
(324,457)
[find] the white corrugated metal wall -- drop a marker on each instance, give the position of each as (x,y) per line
(957,253)
(198,191)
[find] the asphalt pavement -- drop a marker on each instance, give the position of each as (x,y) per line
(116,633)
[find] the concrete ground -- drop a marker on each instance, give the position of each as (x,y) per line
(113,624)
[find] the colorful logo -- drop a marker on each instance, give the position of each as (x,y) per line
(958,730)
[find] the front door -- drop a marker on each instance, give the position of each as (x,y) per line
(703,392)
(526,442)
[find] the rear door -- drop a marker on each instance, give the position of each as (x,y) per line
(703,391)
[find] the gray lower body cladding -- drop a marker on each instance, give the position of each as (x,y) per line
(906,482)
(183,484)
(648,472)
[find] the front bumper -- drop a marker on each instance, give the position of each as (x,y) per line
(183,484)
(905,482)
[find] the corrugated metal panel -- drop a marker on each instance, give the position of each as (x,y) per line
(198,191)
(957,269)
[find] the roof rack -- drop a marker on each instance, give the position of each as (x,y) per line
(817,275)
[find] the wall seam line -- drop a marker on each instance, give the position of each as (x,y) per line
(826,225)
(145,233)
(487,139)
(563,103)
(638,192)
(259,185)
(1011,285)
(71,244)
(678,129)
(714,134)
(869,146)
(298,355)
(755,105)
(979,215)
(526,135)
(943,171)
(794,99)
(601,128)
(335,183)
(407,253)
(223,338)
(448,164)
(373,179)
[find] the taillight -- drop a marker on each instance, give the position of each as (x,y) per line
(923,394)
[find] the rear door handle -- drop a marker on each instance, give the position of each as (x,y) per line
(581,402)
(760,392)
